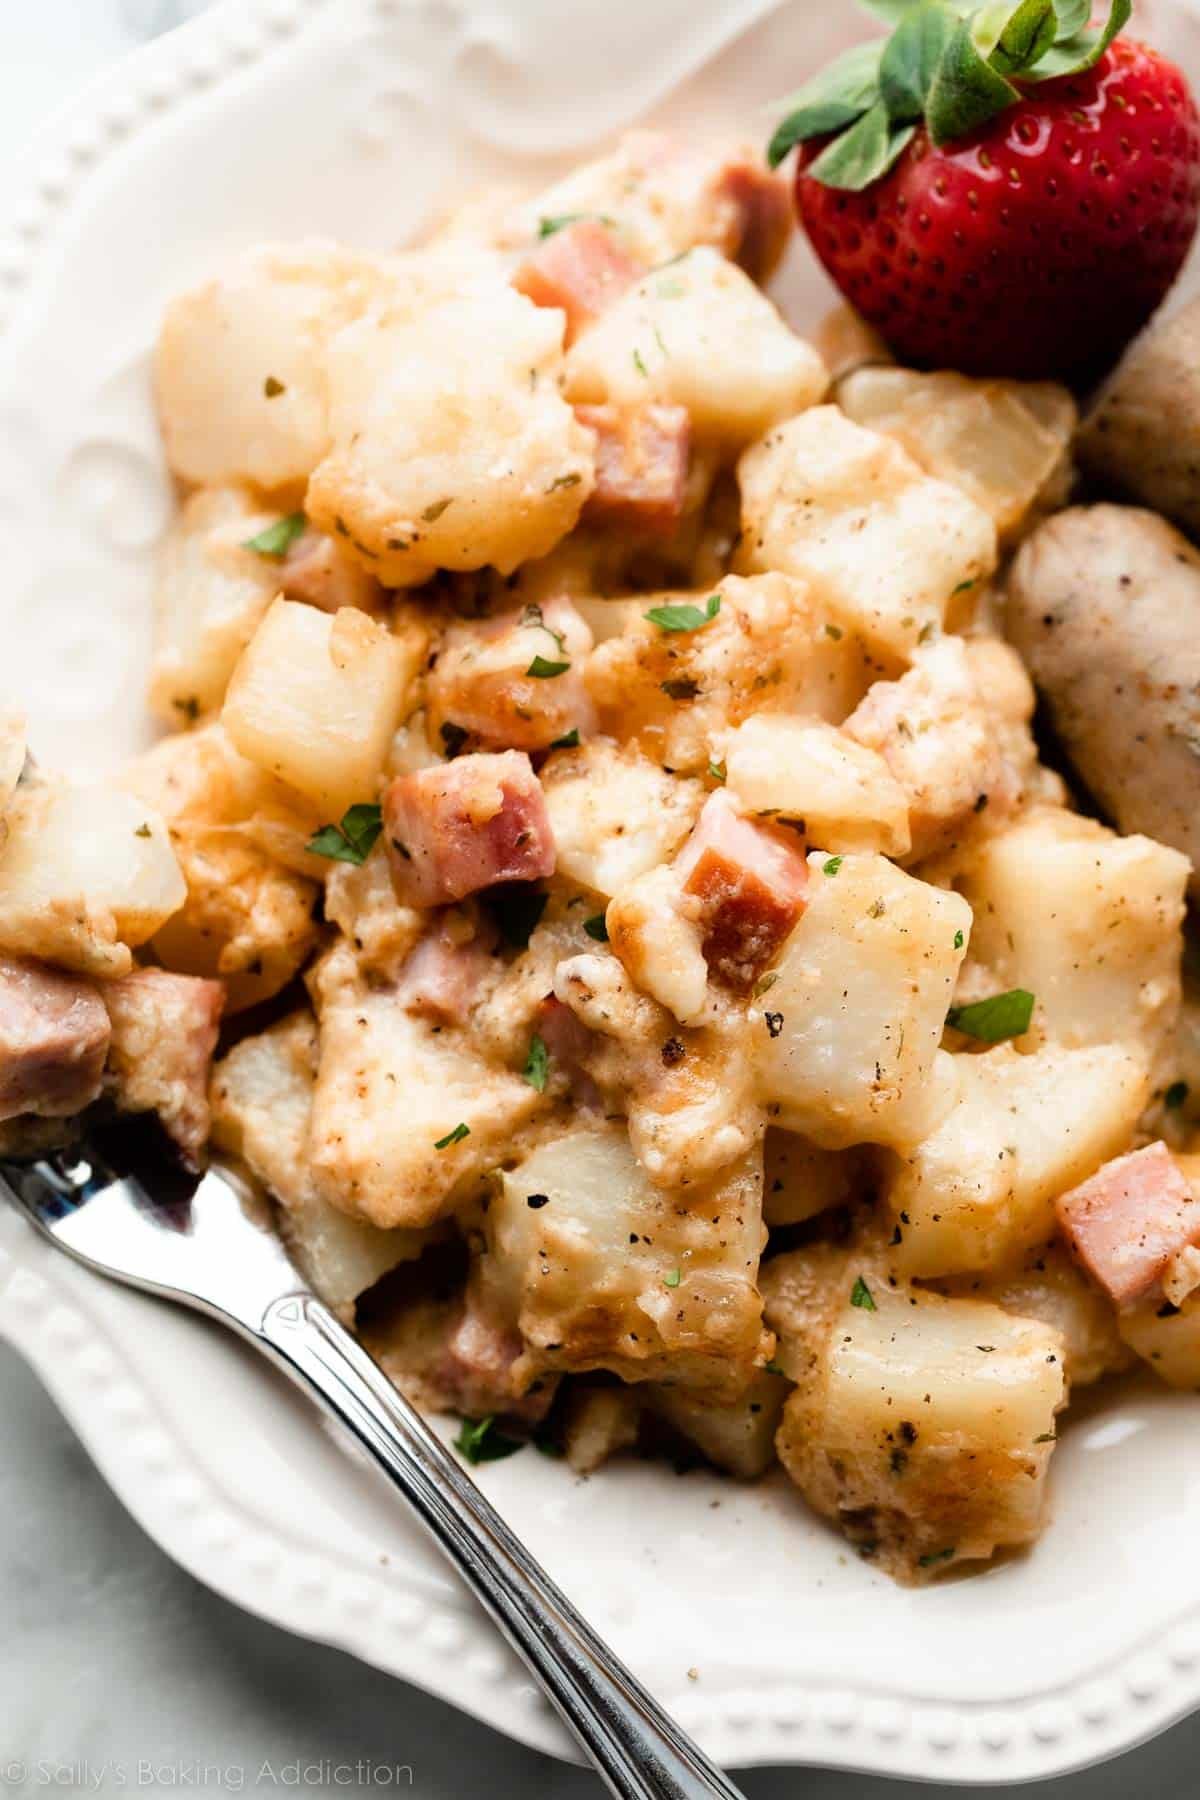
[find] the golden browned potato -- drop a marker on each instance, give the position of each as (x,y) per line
(1104,605)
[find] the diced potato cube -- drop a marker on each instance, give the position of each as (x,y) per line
(262,1105)
(212,594)
(924,1426)
(954,736)
(407,1121)
(848,1051)
(805,769)
(661,946)
(452,445)
(698,335)
(240,839)
(768,648)
(608,1271)
(1004,443)
(600,1423)
(1049,1285)
(980,1191)
(884,545)
(737,1435)
(1087,921)
(1167,1337)
(84,874)
(481,685)
(800,1180)
(240,369)
(315,699)
(615,815)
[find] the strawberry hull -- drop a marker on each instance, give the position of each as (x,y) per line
(1037,246)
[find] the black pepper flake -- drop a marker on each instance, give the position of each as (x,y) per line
(774,1023)
(535,1202)
(673,1052)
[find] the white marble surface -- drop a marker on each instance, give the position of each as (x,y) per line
(117,1672)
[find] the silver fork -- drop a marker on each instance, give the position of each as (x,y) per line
(118,1202)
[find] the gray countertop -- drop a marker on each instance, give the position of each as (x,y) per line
(117,1670)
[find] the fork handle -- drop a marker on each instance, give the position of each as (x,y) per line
(637,1748)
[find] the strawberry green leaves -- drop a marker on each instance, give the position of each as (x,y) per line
(1071,55)
(966,90)
(911,59)
(948,64)
(838,97)
(862,154)
(1020,37)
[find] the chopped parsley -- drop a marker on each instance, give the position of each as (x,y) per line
(765,983)
(568,741)
(638,364)
(1046,1437)
(684,618)
(993,1020)
(860,1295)
(143,830)
(831,865)
(545,670)
(936,1556)
(276,540)
(272,388)
(835,632)
(597,927)
(537,1064)
(959,940)
(773,1367)
(673,1279)
(1176,1094)
(456,1136)
(481,1441)
(353,840)
(433,513)
(718,771)
(564,481)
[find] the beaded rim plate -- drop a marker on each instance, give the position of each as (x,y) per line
(359,118)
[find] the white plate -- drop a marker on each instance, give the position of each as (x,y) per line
(359,117)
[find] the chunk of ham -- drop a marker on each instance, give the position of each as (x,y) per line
(581,269)
(1130,1221)
(641,466)
(54,1035)
(466,825)
(750,881)
(758,210)
(476,1370)
(164,1032)
(442,977)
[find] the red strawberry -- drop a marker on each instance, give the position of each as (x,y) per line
(1034,243)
